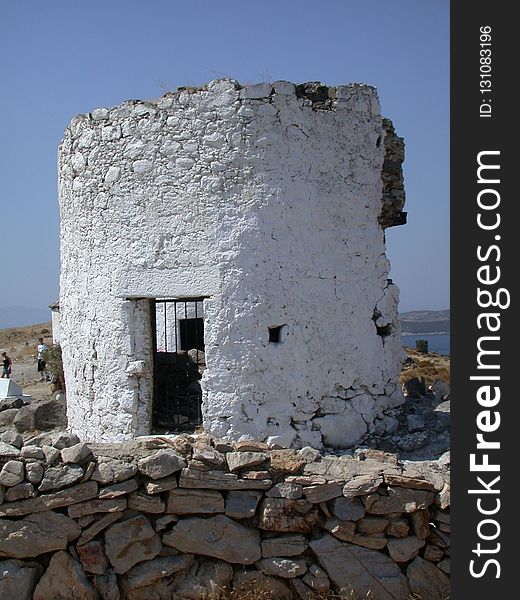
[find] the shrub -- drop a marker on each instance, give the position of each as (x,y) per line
(54,361)
(422,346)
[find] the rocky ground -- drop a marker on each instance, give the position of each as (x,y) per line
(47,411)
(422,424)
(20,344)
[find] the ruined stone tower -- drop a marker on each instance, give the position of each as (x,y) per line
(243,225)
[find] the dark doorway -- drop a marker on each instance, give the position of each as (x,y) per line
(192,333)
(179,361)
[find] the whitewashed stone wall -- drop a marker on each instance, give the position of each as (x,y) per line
(266,200)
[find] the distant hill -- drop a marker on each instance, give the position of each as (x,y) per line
(20,316)
(425,321)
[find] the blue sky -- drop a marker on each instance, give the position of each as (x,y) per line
(64,57)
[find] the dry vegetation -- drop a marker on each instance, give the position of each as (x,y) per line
(20,342)
(430,366)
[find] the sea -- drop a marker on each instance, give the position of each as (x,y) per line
(437,342)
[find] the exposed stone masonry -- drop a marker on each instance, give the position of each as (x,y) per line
(187,516)
(393,182)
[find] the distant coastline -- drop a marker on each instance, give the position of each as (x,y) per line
(440,343)
(425,322)
(430,325)
(416,333)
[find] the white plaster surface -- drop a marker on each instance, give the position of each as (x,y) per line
(268,207)
(55,321)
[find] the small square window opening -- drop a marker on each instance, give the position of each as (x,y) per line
(275,333)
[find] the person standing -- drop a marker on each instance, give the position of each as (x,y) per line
(41,358)
(6,365)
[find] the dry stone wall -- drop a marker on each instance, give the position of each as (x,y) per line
(270,200)
(191,516)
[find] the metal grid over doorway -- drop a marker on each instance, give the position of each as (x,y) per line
(179,361)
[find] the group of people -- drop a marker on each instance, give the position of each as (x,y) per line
(7,363)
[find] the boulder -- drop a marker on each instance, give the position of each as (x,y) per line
(161,485)
(64,439)
(433,553)
(218,480)
(316,579)
(293,491)
(371,525)
(242,504)
(399,499)
(444,566)
(218,537)
(404,549)
(106,586)
(421,523)
(427,581)
(244,460)
(12,473)
(56,478)
(251,446)
(414,387)
(343,430)
(163,523)
(286,568)
(32,452)
(45,502)
(91,507)
(323,492)
(285,462)
(343,530)
(360,571)
(63,580)
(287,516)
(118,489)
(208,455)
(7,418)
(42,416)
(36,534)
(18,579)
(78,453)
(130,542)
(183,502)
(284,545)
(20,491)
(12,402)
(142,502)
(93,557)
(206,579)
(34,472)
(149,572)
(12,438)
(441,389)
(348,509)
(52,454)
(113,470)
(161,464)
(263,586)
(361,485)
(98,525)
(345,468)
(398,527)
